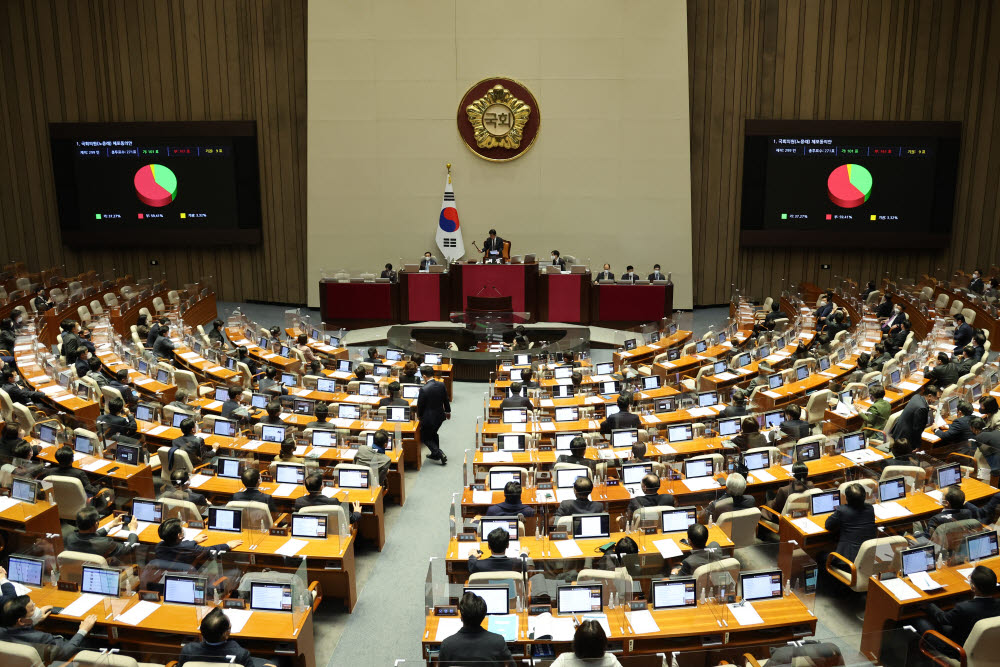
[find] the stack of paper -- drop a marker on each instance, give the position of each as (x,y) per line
(642,622)
(96,465)
(157,430)
(482,497)
(284,490)
(237,618)
(290,548)
(807,525)
(81,605)
(667,548)
(568,548)
(447,627)
(901,590)
(701,484)
(505,625)
(924,581)
(547,626)
(890,510)
(498,457)
(138,612)
(197,480)
(745,614)
(762,476)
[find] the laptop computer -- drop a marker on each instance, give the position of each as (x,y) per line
(184,589)
(228,520)
(760,585)
(312,526)
(678,520)
(674,593)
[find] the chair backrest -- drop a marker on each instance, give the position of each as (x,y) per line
(914,475)
(181,462)
(111,392)
(187,381)
(617,579)
(740,525)
(96,307)
(798,501)
(6,406)
(185,510)
(513,580)
(817,404)
(158,304)
(334,513)
(71,564)
(245,374)
(105,659)
(84,313)
(949,535)
(173,297)
(956,307)
(651,513)
(253,511)
(20,655)
(23,416)
(870,485)
(871,559)
(701,575)
(69,494)
(889,423)
(111,300)
(981,644)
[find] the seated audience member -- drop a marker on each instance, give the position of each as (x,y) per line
(243,357)
(8,339)
(880,357)
(799,484)
(894,318)
(322,414)
(10,440)
(605,274)
(216,646)
(121,382)
(269,382)
(894,342)
(387,272)
(979,345)
(651,496)
(409,373)
(749,436)
(473,644)
(511,505)
(516,399)
(217,334)
(944,373)
(902,454)
(94,372)
(987,442)
(179,488)
(17,615)
(630,275)
(231,403)
(963,332)
(118,420)
(527,378)
(286,454)
(590,648)
(16,391)
(314,497)
(498,561)
(557,260)
(89,539)
(163,348)
(955,509)
(702,553)
(427,262)
(582,504)
(869,288)
(577,454)
(794,426)
(854,522)
(373,357)
(735,499)
(251,492)
(194,446)
(876,416)
(738,407)
(623,418)
(393,397)
(172,548)
(656,274)
(154,330)
(958,431)
(302,345)
(639,453)
(42,302)
(374,456)
(64,468)
(990,410)
(273,416)
(957,623)
(82,363)
(180,402)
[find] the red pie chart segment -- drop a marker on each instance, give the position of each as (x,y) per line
(155,185)
(849,185)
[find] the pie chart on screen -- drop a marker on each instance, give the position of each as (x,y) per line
(155,185)
(849,185)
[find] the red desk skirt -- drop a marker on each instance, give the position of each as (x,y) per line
(566,300)
(423,294)
(355,301)
(494,280)
(631,303)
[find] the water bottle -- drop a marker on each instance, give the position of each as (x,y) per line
(54,576)
(703,598)
(215,596)
(788,587)
(263,528)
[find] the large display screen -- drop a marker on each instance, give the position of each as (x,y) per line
(136,184)
(849,184)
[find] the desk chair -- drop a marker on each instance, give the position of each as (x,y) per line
(915,476)
(110,300)
(69,495)
(189,382)
(703,573)
(617,580)
(245,375)
(816,405)
(20,655)
(24,416)
(6,406)
(949,537)
(174,297)
(694,384)
(158,305)
(870,485)
(956,307)
(514,581)
(335,515)
(866,563)
(185,510)
(253,511)
(740,526)
(108,659)
(70,564)
(84,314)
(181,462)
(774,454)
(650,514)
(979,650)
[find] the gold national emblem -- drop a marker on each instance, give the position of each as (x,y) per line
(498,119)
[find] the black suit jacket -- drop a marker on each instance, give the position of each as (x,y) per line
(474,646)
(977,286)
(650,500)
(632,276)
(222,652)
(605,275)
(185,552)
(963,334)
(391,275)
(55,646)
(516,402)
(424,263)
(387,401)
(796,428)
(698,558)
(118,425)
(560,262)
(958,432)
(154,331)
(577,506)
(884,309)
(257,496)
(163,347)
(195,447)
(432,404)
(493,244)
(854,525)
(314,499)
(100,544)
(620,420)
(958,622)
(945,374)
(494,563)
(657,275)
(912,420)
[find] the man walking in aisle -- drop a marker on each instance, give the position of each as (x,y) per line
(432,409)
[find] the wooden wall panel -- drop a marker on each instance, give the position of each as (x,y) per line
(837,60)
(157,60)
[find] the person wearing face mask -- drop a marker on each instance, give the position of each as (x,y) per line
(824,310)
(895,320)
(557,260)
(884,309)
(656,274)
(630,275)
(976,284)
(605,274)
(963,332)
(427,262)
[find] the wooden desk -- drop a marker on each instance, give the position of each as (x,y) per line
(27,521)
(188,359)
(772,399)
(147,386)
(643,354)
(138,479)
(261,355)
(83,410)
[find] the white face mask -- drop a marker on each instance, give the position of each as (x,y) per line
(553,257)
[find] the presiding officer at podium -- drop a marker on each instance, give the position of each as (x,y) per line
(493,248)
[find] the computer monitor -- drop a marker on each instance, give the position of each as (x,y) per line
(893,488)
(27,570)
(579,599)
(47,433)
(708,399)
(309,525)
(228,520)
(802,372)
(854,441)
(611,410)
(393,354)
(760,585)
(367,389)
(147,511)
(497,598)
(100,581)
(303,406)
(289,379)
(976,390)
(565,477)
(272,432)
(949,475)
(263,342)
(333,341)
(894,377)
(345,366)
(349,478)
(500,478)
(348,411)
(677,520)
(515,415)
(824,364)
(604,369)
(978,546)
(562,372)
(184,589)
(651,382)
(328,385)
(142,366)
(774,381)
(522,359)
(25,490)
(289,473)
(381,370)
(178,418)
(671,329)
(609,387)
(632,473)
(911,367)
(680,433)
(229,468)
(83,444)
(654,337)
(694,468)
(700,346)
(224,427)
(162,376)
(674,593)
(673,354)
(128,454)
(316,334)
(397,414)
(952,404)
(841,354)
(511,442)
(322,437)
(757,460)
(773,419)
(410,391)
(570,414)
(763,351)
(729,426)
(563,440)
(143,412)
(624,437)
(824,502)
(917,559)
(742,360)
(808,451)
(259,401)
(222,394)
(665,405)
(490,523)
(630,344)
(589,526)
(432,359)
(779,342)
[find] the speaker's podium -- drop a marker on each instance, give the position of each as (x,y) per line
(517,283)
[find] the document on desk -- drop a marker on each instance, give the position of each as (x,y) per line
(466,549)
(546,427)
(745,614)
(936,494)
(504,624)
(909,386)
(701,484)
(966,572)
(157,430)
(498,457)
(81,605)
(601,618)
(348,454)
(543,495)
(807,525)
(901,590)
(482,497)
(237,618)
(447,627)
(94,466)
(300,450)
(251,444)
(546,403)
(762,476)
(725,376)
(924,581)
(593,400)
(565,494)
(667,548)
(318,452)
(557,628)
(663,448)
(771,394)
(650,419)
(610,454)
(213,405)
(143,381)
(139,527)
(137,612)
(191,533)
(373,426)
(890,510)
(290,548)
(6,502)
(518,428)
(284,490)
(642,622)
(568,548)
(862,456)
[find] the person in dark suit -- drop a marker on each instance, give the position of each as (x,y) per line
(427,262)
(64,468)
(853,521)
(474,644)
(393,397)
(771,318)
(409,373)
(217,335)
(163,347)
(511,505)
(232,403)
(216,646)
(527,374)
(322,414)
(433,409)
(894,341)
(91,540)
(966,361)
(577,454)
(11,441)
(651,496)
(630,274)
(702,553)
(372,356)
(979,345)
(314,497)
(902,454)
(498,541)
(656,274)
(118,420)
(894,320)
(955,509)
(17,393)
(493,247)
(987,442)
(799,484)
(195,447)
(605,274)
(945,373)
(749,436)
(884,309)
(963,332)
(976,284)
(120,382)
(41,303)
(154,330)
(623,418)
(582,504)
(557,260)
(834,325)
(179,489)
(8,339)
(794,426)
(869,288)
(82,363)
(738,407)
(736,498)
(823,310)
(516,400)
(251,491)
(95,372)
(16,616)
(958,431)
(243,357)
(174,549)
(957,623)
(387,272)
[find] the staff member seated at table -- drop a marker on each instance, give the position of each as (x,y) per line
(409,373)
(91,540)
(393,397)
(794,426)
(557,260)
(878,413)
(163,348)
(498,541)
(590,648)
(902,454)
(179,489)
(231,403)
(121,383)
(243,357)
(854,522)
(651,496)
(957,623)
(180,401)
(735,499)
(894,341)
(606,274)
(945,372)
(374,456)
(749,436)
(302,345)
(286,454)
(630,274)
(582,504)
(473,644)
(701,552)
(511,505)
(322,414)
(174,549)
(799,484)
(14,389)
(955,509)
(639,453)
(216,646)
(217,335)
(577,452)
(82,363)
(834,325)
(738,407)
(427,261)
(16,616)
(493,247)
(273,416)
(623,418)
(885,306)
(387,272)
(10,440)
(527,374)
(656,274)
(64,468)
(251,492)
(314,497)
(118,420)
(516,399)
(963,332)
(194,446)
(958,431)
